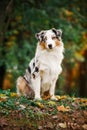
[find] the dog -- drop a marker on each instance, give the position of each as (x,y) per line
(26,84)
(49,52)
(23,88)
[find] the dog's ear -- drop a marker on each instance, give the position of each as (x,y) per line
(40,35)
(58,32)
(37,35)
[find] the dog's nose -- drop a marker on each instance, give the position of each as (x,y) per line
(50,46)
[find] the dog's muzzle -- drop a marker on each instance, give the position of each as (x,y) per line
(50,46)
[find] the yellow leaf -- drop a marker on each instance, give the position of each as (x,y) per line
(61,97)
(39,104)
(79,57)
(83,100)
(13,95)
(58,97)
(68,13)
(63,109)
(52,103)
(3,96)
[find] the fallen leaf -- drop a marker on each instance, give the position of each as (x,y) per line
(40,127)
(62,125)
(83,100)
(61,97)
(13,95)
(84,126)
(52,103)
(50,125)
(3,99)
(55,116)
(39,104)
(58,97)
(47,97)
(63,109)
(3,122)
(22,106)
(3,96)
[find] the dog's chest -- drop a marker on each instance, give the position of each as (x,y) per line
(50,61)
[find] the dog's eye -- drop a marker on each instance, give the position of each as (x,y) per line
(54,37)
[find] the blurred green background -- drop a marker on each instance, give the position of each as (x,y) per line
(21,19)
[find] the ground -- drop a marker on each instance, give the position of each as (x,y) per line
(20,113)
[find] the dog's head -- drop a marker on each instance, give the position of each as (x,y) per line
(49,39)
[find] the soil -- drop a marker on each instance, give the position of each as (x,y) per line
(67,113)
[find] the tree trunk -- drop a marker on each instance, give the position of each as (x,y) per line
(6,7)
(83,77)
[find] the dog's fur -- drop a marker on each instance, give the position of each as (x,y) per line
(26,85)
(49,52)
(23,88)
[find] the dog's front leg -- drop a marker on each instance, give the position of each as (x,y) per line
(36,88)
(52,90)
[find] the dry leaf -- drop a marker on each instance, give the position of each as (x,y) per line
(39,104)
(58,97)
(3,96)
(84,126)
(52,103)
(3,99)
(62,125)
(47,97)
(63,109)
(83,100)
(61,97)
(40,128)
(22,106)
(13,95)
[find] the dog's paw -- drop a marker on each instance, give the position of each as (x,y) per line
(53,98)
(37,98)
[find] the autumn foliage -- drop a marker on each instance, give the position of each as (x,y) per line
(20,20)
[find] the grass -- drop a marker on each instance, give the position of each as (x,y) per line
(23,112)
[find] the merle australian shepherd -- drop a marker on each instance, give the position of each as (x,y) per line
(49,53)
